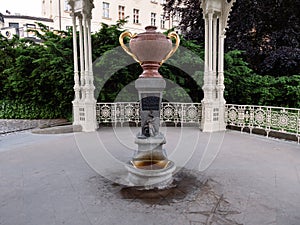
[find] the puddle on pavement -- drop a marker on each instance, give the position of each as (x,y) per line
(184,186)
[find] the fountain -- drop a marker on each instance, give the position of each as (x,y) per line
(150,168)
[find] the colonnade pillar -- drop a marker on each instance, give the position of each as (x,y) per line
(84,103)
(215,14)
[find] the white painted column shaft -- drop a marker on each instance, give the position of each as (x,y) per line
(76,87)
(90,49)
(214,52)
(206,45)
(82,68)
(221,85)
(75,55)
(86,50)
(210,41)
(84,104)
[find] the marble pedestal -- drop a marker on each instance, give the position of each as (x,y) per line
(150,167)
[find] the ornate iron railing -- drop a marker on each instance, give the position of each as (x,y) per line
(126,112)
(267,118)
(284,120)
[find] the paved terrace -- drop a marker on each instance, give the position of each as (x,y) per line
(228,178)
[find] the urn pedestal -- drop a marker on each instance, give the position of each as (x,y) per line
(150,167)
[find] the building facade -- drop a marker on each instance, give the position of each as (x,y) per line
(19,25)
(1,20)
(138,13)
(56,15)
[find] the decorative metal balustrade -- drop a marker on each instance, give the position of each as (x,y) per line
(267,118)
(128,112)
(284,120)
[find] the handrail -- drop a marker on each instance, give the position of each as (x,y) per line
(267,118)
(171,112)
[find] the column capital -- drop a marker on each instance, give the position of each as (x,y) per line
(219,8)
(224,18)
(87,8)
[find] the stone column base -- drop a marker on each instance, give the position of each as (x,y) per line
(213,117)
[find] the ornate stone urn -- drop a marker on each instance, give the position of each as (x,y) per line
(150,167)
(151,49)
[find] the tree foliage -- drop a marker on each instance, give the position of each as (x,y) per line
(244,86)
(114,70)
(38,75)
(37,79)
(267,31)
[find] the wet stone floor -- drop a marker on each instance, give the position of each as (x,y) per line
(197,198)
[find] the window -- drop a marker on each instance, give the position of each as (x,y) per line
(153,19)
(105,10)
(1,18)
(162,22)
(14,25)
(136,15)
(121,12)
(30,26)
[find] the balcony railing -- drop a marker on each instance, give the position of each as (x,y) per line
(267,118)
(128,112)
(279,119)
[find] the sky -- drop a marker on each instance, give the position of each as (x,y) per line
(24,7)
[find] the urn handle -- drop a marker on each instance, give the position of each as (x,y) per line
(121,40)
(172,34)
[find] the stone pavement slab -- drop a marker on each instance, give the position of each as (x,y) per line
(243,179)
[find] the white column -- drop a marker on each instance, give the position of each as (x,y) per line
(214,52)
(206,45)
(207,108)
(221,85)
(210,41)
(210,57)
(82,68)
(90,81)
(84,103)
(206,73)
(90,123)
(76,75)
(213,104)
(86,51)
(90,50)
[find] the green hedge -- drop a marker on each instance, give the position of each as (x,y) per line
(15,110)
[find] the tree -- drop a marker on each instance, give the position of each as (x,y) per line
(183,69)
(38,80)
(267,31)
(243,86)
(191,18)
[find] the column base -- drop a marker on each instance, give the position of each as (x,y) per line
(213,117)
(84,113)
(90,124)
(76,120)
